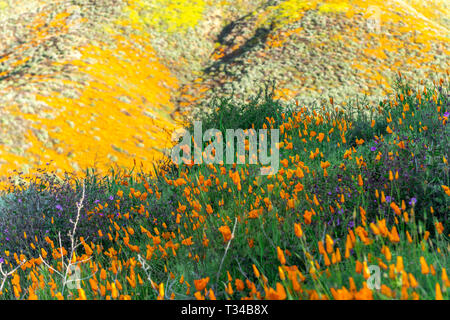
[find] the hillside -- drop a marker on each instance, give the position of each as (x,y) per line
(346,194)
(96,83)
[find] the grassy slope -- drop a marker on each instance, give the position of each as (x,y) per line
(358,186)
(355,190)
(313,51)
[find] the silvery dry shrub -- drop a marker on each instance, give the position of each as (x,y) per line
(42,210)
(45,207)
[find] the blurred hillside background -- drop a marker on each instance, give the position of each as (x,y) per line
(87,83)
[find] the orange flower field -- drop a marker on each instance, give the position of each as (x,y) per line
(94,207)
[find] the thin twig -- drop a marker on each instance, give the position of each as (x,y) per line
(66,266)
(6,275)
(145,267)
(50,267)
(226,250)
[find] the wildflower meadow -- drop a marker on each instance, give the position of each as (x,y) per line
(120,193)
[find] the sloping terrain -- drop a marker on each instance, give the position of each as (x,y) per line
(356,207)
(315,50)
(78,93)
(94,83)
